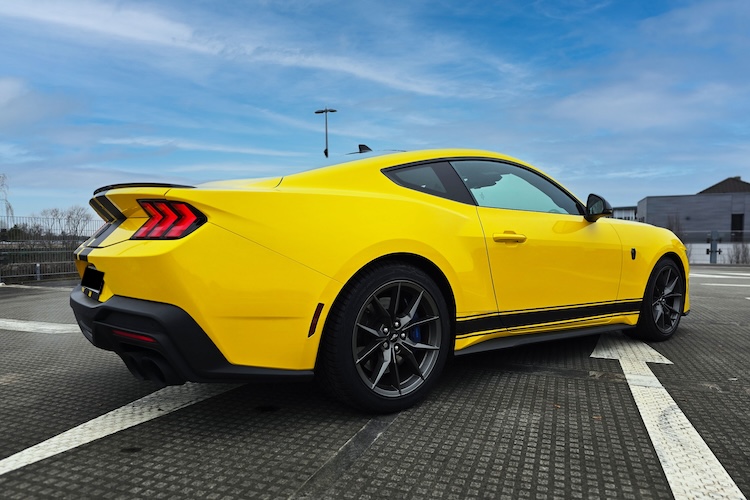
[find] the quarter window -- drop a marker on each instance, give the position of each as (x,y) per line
(503,185)
(438,179)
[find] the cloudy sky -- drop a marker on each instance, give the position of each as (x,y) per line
(624,98)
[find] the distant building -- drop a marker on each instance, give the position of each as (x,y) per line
(723,207)
(625,213)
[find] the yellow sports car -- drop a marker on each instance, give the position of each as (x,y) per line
(369,274)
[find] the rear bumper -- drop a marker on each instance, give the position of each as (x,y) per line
(162,342)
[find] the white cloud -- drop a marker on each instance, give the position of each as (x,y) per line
(642,104)
(21,106)
(164,142)
(110,19)
(566,10)
(10,89)
(416,70)
(11,153)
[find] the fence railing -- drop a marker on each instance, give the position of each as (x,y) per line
(40,248)
(717,247)
(720,236)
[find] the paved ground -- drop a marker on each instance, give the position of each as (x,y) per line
(541,421)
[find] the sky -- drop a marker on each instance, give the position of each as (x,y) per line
(626,99)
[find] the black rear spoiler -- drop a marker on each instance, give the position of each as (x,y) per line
(142,184)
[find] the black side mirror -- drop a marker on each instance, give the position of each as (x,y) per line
(596,208)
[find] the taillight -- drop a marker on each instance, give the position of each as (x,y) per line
(168,220)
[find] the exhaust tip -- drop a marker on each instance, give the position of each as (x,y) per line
(152,367)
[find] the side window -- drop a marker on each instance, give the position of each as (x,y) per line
(502,185)
(422,178)
(438,179)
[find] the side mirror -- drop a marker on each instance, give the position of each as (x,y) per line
(596,208)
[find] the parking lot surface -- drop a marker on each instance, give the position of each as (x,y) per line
(592,417)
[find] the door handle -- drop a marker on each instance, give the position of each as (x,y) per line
(509,237)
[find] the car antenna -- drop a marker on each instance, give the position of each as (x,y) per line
(363,148)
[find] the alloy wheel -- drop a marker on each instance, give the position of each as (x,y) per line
(397,338)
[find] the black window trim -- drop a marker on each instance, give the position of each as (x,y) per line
(581,207)
(457,190)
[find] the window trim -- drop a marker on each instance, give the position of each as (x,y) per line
(454,184)
(455,188)
(581,207)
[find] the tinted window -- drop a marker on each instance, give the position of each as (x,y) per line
(437,178)
(422,178)
(502,185)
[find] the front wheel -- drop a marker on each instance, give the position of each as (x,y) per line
(663,303)
(387,339)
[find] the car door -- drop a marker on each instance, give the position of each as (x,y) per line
(548,264)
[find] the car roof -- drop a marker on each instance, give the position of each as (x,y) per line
(364,170)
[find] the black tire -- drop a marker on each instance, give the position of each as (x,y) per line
(386,340)
(663,303)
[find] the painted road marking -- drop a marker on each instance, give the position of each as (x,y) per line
(738,276)
(691,468)
(723,284)
(156,404)
(19,325)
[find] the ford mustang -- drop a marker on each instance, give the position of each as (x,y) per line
(367,275)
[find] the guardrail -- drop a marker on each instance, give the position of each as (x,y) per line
(41,248)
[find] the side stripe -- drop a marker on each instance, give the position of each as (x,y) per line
(83,254)
(110,207)
(516,319)
(103,235)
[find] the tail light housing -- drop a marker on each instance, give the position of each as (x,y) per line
(168,220)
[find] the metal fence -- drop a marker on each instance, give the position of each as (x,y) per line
(41,248)
(717,247)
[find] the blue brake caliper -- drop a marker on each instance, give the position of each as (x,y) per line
(416,333)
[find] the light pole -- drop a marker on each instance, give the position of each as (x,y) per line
(325,112)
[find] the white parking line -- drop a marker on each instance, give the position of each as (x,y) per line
(737,276)
(724,284)
(154,405)
(691,468)
(19,325)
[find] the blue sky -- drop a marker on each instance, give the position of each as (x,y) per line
(623,98)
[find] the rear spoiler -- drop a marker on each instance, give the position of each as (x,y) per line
(141,184)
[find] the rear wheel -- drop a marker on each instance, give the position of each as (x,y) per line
(663,303)
(387,339)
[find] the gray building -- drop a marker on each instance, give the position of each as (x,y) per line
(723,207)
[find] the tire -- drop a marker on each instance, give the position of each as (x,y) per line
(387,339)
(663,303)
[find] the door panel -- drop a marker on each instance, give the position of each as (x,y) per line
(544,260)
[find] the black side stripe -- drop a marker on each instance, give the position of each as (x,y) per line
(102,200)
(94,203)
(83,254)
(528,318)
(103,235)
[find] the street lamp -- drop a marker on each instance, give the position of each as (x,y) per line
(325,112)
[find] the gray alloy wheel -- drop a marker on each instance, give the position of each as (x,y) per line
(396,338)
(387,339)
(663,302)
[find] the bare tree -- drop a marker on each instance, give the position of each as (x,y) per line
(77,219)
(739,253)
(4,196)
(66,222)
